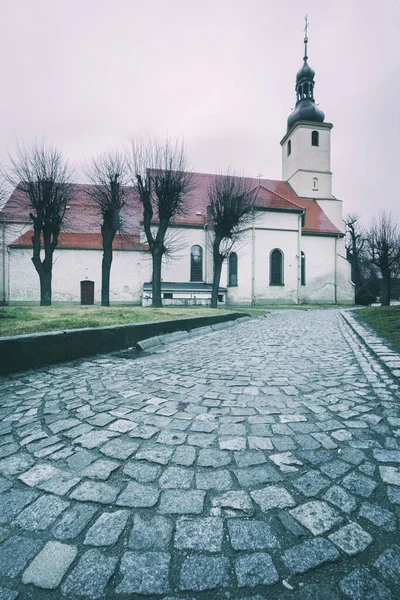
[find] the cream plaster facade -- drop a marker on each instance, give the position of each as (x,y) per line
(129,270)
(327,272)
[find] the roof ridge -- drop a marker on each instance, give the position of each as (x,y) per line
(280,196)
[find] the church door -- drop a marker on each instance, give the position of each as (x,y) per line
(87,292)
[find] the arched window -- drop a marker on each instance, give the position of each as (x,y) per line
(315,138)
(196,263)
(233,269)
(315,183)
(303,269)
(276,267)
(289,147)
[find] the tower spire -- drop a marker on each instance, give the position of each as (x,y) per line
(306,109)
(305,37)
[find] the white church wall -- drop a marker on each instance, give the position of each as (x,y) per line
(276,220)
(177,266)
(9,232)
(303,154)
(23,280)
(333,210)
(272,229)
(311,184)
(241,293)
(320,269)
(130,269)
(308,167)
(345,288)
(265,242)
(128,272)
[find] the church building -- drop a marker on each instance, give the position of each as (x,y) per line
(292,252)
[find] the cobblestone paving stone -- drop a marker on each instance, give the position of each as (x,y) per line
(259,461)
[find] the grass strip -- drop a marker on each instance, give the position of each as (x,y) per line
(384,321)
(20,320)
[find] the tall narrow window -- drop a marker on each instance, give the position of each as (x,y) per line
(315,184)
(233,269)
(315,138)
(303,269)
(196,263)
(276,267)
(289,147)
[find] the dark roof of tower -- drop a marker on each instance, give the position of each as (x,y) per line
(306,109)
(306,72)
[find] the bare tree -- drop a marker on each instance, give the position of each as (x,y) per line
(355,242)
(162,184)
(230,209)
(108,174)
(383,243)
(41,173)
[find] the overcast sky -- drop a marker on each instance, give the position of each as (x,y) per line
(220,73)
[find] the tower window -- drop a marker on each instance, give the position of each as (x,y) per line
(276,267)
(315,184)
(289,147)
(196,263)
(303,269)
(314,138)
(233,269)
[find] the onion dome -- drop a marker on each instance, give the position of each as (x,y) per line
(306,109)
(305,73)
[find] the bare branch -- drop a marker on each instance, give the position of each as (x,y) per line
(41,173)
(231,207)
(383,243)
(108,174)
(231,204)
(162,183)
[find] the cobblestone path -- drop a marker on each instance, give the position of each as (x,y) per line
(262,462)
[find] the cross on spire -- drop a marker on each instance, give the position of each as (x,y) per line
(306,27)
(305,37)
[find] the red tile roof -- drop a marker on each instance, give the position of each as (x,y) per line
(15,209)
(316,220)
(86,241)
(271,193)
(83,221)
(265,198)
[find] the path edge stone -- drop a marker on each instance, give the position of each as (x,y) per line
(368,338)
(22,352)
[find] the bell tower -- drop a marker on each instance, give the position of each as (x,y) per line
(306,146)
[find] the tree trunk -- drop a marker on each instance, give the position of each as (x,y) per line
(156,278)
(385,300)
(44,270)
(105,275)
(356,272)
(217,262)
(45,286)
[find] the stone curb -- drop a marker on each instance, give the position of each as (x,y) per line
(22,352)
(386,356)
(169,338)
